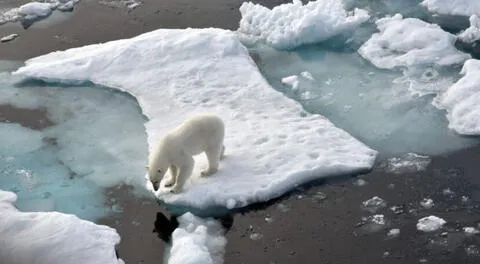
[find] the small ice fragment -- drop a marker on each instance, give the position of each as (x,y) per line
(269,219)
(116,208)
(409,162)
(360,182)
(256,236)
(292,81)
(447,191)
(393,232)
(471,230)
(328,82)
(374,203)
(9,38)
(319,197)
(133,5)
(307,75)
(347,108)
(386,254)
(231,203)
(427,203)
(472,250)
(430,223)
(465,199)
(378,219)
(282,208)
(135,223)
(307,95)
(397,209)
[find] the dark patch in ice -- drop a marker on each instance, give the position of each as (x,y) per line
(37,119)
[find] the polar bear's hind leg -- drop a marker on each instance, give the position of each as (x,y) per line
(213,156)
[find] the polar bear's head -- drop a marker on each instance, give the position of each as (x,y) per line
(157,167)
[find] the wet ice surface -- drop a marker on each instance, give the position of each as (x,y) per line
(375,106)
(64,167)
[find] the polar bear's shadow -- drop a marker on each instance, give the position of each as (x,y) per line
(165,226)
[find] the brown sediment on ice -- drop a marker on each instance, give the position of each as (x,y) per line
(36,119)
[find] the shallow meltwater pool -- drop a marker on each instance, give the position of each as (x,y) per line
(378,107)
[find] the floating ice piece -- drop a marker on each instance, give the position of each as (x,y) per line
(271,144)
(410,42)
(290,25)
(197,240)
(462,100)
(378,219)
(472,33)
(35,10)
(471,230)
(430,223)
(52,237)
(292,81)
(9,38)
(409,162)
(453,7)
(427,203)
(373,204)
(393,232)
(360,182)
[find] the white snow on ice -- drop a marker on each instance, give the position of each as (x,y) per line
(430,223)
(462,100)
(410,42)
(52,237)
(28,11)
(294,24)
(197,240)
(272,145)
(472,33)
(453,7)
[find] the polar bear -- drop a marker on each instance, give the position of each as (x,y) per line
(175,151)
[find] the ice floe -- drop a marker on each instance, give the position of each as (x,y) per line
(430,223)
(293,24)
(462,100)
(410,42)
(197,240)
(272,145)
(427,203)
(55,238)
(8,38)
(453,7)
(472,33)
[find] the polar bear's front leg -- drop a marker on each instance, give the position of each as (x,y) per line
(185,172)
(173,176)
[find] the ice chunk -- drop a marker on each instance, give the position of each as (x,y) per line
(35,10)
(272,145)
(462,100)
(197,240)
(373,204)
(471,230)
(427,203)
(52,237)
(290,25)
(453,7)
(409,162)
(9,38)
(472,33)
(292,81)
(410,42)
(393,232)
(430,223)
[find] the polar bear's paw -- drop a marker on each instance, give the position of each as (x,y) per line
(208,172)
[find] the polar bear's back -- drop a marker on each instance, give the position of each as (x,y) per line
(200,132)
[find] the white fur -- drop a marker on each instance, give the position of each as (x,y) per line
(201,133)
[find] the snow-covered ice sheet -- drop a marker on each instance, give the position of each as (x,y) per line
(293,24)
(462,100)
(410,42)
(197,240)
(472,33)
(272,145)
(52,238)
(453,7)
